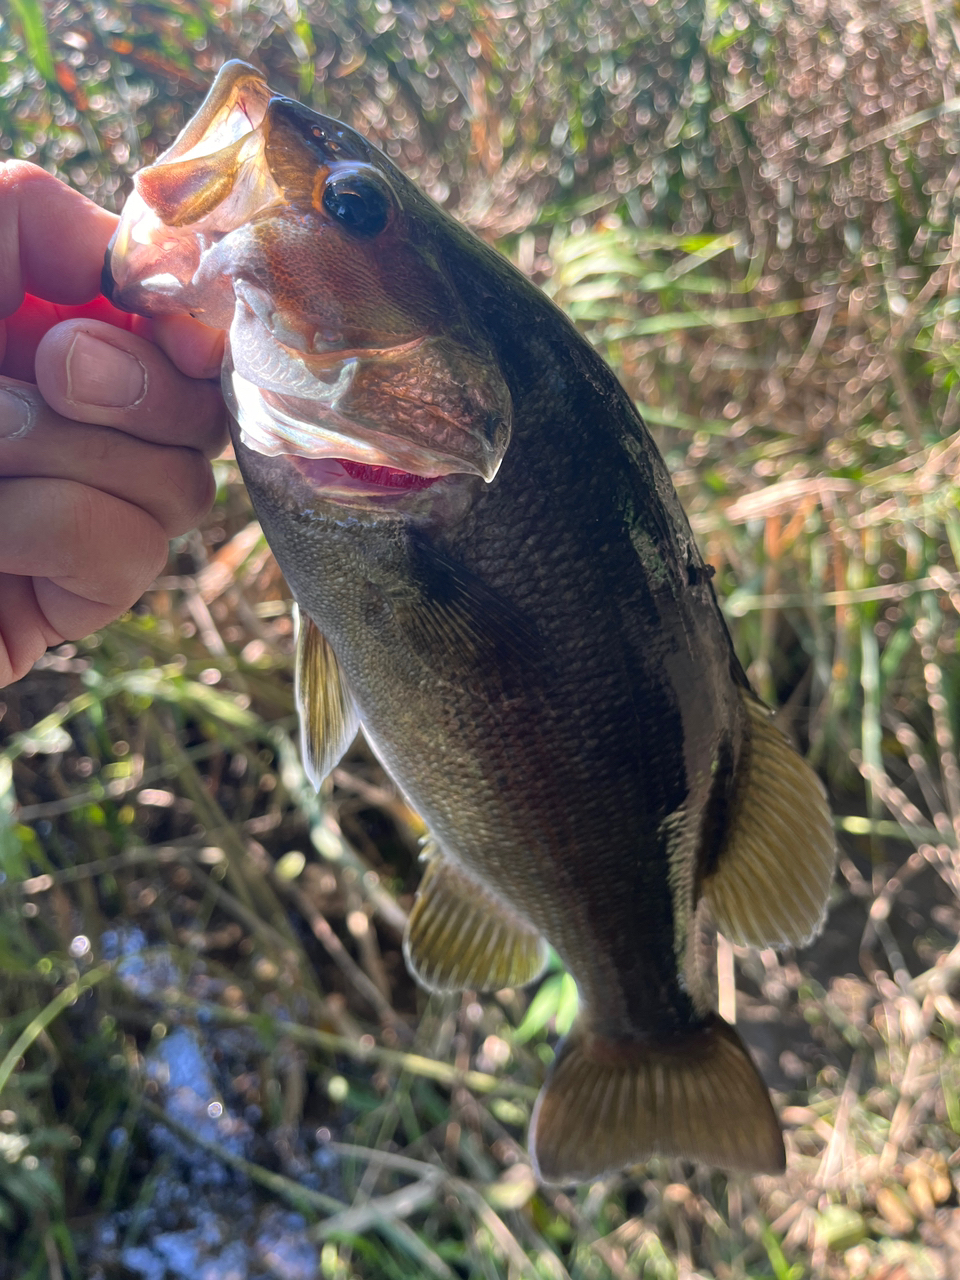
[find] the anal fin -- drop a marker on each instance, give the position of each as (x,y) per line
(328,717)
(776,865)
(460,937)
(610,1104)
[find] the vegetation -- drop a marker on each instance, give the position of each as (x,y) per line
(208,1041)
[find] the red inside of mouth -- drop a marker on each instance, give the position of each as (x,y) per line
(385,477)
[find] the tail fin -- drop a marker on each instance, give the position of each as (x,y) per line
(607,1105)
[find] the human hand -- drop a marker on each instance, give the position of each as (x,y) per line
(107,422)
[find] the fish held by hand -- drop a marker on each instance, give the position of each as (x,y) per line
(497,582)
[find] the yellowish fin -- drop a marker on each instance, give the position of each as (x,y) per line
(776,866)
(328,717)
(607,1105)
(460,937)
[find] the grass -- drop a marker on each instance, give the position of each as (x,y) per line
(171,883)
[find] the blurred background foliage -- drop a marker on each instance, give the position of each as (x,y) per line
(752,210)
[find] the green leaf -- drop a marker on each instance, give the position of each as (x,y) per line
(13,863)
(567,1005)
(34,28)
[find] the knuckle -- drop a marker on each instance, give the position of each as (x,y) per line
(112,542)
(18,173)
(189,491)
(146,555)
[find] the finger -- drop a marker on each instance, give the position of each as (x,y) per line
(20,334)
(90,545)
(73,616)
(194,348)
(24,630)
(174,485)
(93,372)
(52,239)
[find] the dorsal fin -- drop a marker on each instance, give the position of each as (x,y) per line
(775,867)
(460,937)
(328,717)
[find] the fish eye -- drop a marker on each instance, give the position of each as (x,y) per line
(361,206)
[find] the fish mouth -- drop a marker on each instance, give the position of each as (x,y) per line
(235,105)
(191,240)
(211,181)
(214,179)
(346,481)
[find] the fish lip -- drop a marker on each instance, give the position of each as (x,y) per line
(241,93)
(230,116)
(238,87)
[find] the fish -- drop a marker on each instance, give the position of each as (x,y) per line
(497,583)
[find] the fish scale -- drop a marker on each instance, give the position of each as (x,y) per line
(523,626)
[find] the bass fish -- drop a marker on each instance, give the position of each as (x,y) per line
(497,583)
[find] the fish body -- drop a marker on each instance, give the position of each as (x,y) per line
(499,584)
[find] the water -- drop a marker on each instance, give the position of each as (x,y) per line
(198,1218)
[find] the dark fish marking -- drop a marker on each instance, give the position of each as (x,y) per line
(459,623)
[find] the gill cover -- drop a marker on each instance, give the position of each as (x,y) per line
(347,338)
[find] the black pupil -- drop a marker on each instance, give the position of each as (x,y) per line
(359,206)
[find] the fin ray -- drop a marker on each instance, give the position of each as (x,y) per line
(328,716)
(609,1105)
(775,869)
(460,937)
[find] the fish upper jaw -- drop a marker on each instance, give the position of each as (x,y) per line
(210,182)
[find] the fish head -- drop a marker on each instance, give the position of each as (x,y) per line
(349,347)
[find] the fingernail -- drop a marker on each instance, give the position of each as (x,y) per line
(18,412)
(103,375)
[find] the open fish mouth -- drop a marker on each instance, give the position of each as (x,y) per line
(235,106)
(348,481)
(209,183)
(249,223)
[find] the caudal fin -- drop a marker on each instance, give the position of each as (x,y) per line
(607,1105)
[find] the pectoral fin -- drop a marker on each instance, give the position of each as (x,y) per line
(328,717)
(609,1104)
(460,937)
(457,622)
(776,865)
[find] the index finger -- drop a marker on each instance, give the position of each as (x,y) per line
(52,245)
(21,333)
(52,239)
